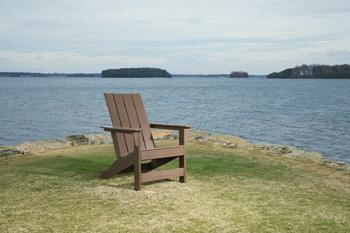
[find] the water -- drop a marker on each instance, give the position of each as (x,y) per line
(310,114)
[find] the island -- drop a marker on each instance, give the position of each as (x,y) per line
(239,74)
(314,72)
(135,73)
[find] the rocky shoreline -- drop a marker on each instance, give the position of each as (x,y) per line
(229,141)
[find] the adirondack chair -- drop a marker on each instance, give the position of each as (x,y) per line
(134,144)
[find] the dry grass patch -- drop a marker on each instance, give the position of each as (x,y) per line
(228,190)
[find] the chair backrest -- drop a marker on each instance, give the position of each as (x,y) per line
(127,110)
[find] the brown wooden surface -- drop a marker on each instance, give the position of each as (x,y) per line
(133,142)
(161,175)
(141,113)
(117,167)
(168,126)
(137,161)
(127,111)
(183,135)
(124,121)
(121,130)
(162,152)
(119,139)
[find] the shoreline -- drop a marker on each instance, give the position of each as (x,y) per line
(225,140)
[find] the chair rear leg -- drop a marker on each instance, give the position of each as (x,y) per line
(183,135)
(182,164)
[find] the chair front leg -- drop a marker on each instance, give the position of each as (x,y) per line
(137,161)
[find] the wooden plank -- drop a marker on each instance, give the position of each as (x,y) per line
(121,130)
(162,152)
(123,116)
(137,161)
(118,138)
(142,116)
(182,164)
(161,175)
(132,115)
(183,135)
(144,146)
(168,126)
(117,166)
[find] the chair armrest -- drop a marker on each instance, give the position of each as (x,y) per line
(167,126)
(121,130)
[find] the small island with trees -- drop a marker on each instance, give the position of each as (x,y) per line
(239,74)
(135,73)
(314,72)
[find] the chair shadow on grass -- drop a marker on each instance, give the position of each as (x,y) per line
(65,166)
(130,185)
(87,169)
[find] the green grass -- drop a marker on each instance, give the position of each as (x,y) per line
(227,191)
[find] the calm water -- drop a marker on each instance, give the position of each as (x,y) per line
(311,114)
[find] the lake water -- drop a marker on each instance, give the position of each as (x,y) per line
(310,114)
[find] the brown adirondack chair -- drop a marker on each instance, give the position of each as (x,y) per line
(133,142)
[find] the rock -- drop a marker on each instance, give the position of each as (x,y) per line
(79,139)
(195,136)
(89,139)
(226,140)
(98,138)
(201,138)
(9,152)
(289,152)
(41,146)
(164,134)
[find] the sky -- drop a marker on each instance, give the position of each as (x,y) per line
(181,36)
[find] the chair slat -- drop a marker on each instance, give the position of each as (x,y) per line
(123,116)
(141,113)
(132,115)
(127,110)
(118,138)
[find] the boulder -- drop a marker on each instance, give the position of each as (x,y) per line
(78,139)
(88,139)
(9,152)
(164,134)
(41,146)
(289,152)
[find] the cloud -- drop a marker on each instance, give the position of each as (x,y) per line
(339,53)
(69,61)
(182,36)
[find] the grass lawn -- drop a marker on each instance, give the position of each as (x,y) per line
(227,191)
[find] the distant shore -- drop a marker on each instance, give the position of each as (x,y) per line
(98,75)
(36,74)
(313,72)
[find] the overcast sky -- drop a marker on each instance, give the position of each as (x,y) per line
(182,36)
